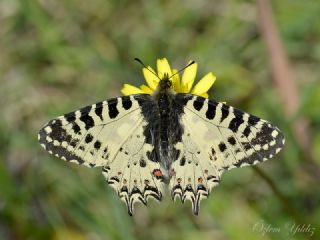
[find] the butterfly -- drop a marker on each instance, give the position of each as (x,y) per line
(147,142)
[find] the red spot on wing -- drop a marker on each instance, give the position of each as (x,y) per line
(200,180)
(157,173)
(146,182)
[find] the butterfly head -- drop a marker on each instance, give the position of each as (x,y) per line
(165,83)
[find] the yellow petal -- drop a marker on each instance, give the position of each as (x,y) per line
(129,89)
(204,84)
(188,77)
(204,95)
(146,89)
(176,80)
(163,67)
(151,78)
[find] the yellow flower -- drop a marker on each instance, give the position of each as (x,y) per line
(183,85)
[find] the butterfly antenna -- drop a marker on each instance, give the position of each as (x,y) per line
(191,63)
(139,61)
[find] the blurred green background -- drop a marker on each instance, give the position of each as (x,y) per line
(57,56)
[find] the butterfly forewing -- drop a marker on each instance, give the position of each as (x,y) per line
(90,136)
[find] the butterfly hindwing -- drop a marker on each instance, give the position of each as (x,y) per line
(217,137)
(132,173)
(108,134)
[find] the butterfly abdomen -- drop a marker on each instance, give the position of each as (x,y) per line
(164,108)
(170,129)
